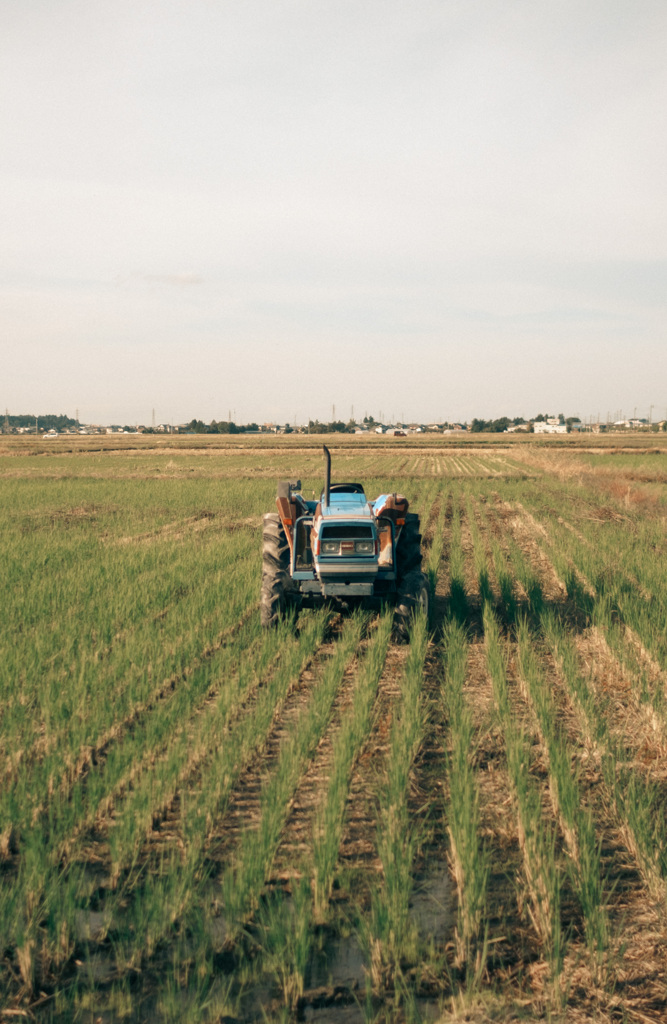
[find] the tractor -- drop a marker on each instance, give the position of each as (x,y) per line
(343,548)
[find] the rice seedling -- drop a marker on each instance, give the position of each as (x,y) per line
(393,936)
(536,837)
(354,731)
(576,822)
(458,602)
(244,881)
(136,688)
(438,543)
(469,857)
(634,797)
(285,938)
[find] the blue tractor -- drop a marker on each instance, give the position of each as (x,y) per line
(345,548)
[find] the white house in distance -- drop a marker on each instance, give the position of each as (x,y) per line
(550,426)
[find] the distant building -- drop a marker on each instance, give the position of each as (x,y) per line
(552,426)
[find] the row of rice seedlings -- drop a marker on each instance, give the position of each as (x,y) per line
(74,748)
(469,857)
(619,565)
(507,586)
(64,811)
(479,554)
(393,939)
(525,575)
(285,935)
(458,602)
(42,891)
(244,880)
(611,605)
(284,926)
(438,542)
(576,822)
(220,741)
(426,501)
(634,797)
(353,733)
(68,712)
(536,837)
(162,900)
(152,908)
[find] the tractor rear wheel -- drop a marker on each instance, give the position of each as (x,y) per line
(408,548)
(275,571)
(413,594)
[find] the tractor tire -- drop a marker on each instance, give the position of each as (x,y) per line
(413,593)
(275,571)
(408,548)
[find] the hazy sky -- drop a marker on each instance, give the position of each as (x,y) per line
(428,209)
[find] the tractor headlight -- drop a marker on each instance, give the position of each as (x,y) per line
(365,547)
(330,547)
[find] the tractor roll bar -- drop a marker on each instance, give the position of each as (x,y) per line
(327,486)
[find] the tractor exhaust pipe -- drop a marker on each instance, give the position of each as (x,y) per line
(327,485)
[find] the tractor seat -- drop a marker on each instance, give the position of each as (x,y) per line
(346,489)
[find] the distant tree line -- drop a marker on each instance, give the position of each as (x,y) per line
(220,427)
(335,427)
(49,422)
(504,422)
(496,426)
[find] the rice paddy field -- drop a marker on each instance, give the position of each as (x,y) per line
(204,822)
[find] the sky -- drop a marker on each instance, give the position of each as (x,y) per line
(267,208)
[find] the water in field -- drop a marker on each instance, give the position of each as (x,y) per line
(432,908)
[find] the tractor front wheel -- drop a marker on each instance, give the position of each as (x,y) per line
(275,571)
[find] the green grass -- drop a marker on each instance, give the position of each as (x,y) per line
(136,689)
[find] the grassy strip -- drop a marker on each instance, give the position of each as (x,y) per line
(636,800)
(458,602)
(392,937)
(286,925)
(536,837)
(437,544)
(353,733)
(50,780)
(43,892)
(576,823)
(161,902)
(480,560)
(244,881)
(470,859)
(52,685)
(223,742)
(617,596)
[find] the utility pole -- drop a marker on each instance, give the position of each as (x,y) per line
(650,415)
(153,420)
(333,413)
